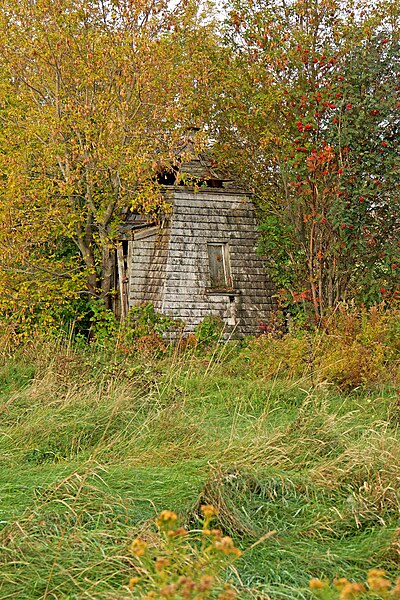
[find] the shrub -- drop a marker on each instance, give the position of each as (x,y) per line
(356,347)
(359,347)
(209,330)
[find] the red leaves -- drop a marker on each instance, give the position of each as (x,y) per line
(321,159)
(305,295)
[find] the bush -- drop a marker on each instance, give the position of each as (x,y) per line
(355,347)
(359,347)
(209,331)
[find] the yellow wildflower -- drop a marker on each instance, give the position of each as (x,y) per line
(166,517)
(180,532)
(209,511)
(187,586)
(340,583)
(217,533)
(376,573)
(352,589)
(161,563)
(169,590)
(228,594)
(395,592)
(378,584)
(226,546)
(138,547)
(132,582)
(205,583)
(316,584)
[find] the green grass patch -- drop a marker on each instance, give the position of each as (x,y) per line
(92,448)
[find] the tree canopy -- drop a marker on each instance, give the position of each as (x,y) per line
(96,96)
(313,124)
(299,99)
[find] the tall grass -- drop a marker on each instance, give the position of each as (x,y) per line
(94,443)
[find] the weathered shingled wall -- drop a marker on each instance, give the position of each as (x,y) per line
(170,266)
(148,268)
(210,215)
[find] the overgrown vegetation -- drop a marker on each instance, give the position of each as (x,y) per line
(290,440)
(298,101)
(300,464)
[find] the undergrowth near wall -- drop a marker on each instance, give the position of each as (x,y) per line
(354,347)
(300,466)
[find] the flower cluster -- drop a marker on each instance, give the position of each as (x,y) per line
(377,583)
(183,563)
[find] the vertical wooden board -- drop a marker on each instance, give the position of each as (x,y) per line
(122,278)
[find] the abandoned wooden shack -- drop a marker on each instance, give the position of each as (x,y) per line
(201,259)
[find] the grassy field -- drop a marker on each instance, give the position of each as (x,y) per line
(93,445)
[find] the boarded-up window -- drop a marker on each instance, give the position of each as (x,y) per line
(218,259)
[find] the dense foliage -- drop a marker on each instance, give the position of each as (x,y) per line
(300,99)
(312,121)
(95,97)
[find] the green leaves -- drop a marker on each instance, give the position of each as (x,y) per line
(319,115)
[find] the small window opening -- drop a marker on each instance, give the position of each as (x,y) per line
(232,311)
(219,265)
(167,177)
(214,183)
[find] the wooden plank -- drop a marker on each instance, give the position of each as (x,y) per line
(123,282)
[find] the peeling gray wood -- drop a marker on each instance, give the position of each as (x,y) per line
(170,267)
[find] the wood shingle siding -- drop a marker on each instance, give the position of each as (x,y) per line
(171,264)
